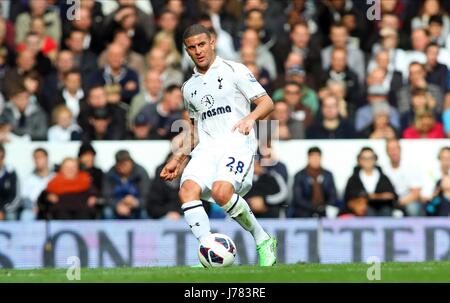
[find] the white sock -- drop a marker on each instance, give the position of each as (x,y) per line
(239,210)
(197,218)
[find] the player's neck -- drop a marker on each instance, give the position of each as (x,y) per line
(206,68)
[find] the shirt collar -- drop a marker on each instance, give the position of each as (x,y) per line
(215,64)
(110,78)
(78,95)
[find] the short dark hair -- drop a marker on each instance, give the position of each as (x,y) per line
(166,11)
(254,10)
(366,148)
(349,13)
(71,71)
(31,33)
(119,31)
(123,155)
(204,17)
(338,25)
(40,150)
(86,147)
(95,86)
(314,150)
(418,92)
(353,194)
(194,30)
(171,88)
(436,19)
(16,89)
(76,30)
(432,44)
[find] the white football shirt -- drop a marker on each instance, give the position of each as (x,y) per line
(221,97)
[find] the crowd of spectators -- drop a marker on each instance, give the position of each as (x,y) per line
(113,70)
(77,189)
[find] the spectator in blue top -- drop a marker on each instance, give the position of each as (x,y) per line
(160,116)
(314,188)
(116,76)
(126,187)
(437,73)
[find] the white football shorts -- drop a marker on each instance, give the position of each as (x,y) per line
(231,163)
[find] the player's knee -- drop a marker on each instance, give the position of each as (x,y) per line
(222,194)
(189,191)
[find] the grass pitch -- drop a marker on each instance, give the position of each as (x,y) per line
(390,272)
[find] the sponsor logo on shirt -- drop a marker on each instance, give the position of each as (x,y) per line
(216,111)
(207,101)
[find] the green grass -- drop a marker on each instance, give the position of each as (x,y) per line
(390,272)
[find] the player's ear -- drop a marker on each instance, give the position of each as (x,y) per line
(212,42)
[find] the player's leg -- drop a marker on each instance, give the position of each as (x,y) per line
(223,192)
(237,208)
(192,206)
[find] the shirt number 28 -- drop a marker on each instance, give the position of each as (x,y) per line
(239,165)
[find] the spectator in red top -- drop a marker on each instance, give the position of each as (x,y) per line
(425,127)
(43,42)
(70,194)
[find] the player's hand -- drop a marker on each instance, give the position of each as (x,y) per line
(171,170)
(244,126)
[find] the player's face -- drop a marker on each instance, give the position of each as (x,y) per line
(201,49)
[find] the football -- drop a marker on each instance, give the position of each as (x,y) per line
(217,250)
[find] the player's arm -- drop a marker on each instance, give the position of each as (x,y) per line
(264,106)
(185,142)
(253,91)
(182,145)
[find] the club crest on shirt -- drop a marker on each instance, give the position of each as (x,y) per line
(251,77)
(207,101)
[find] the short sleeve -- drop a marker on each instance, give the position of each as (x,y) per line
(247,83)
(188,105)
